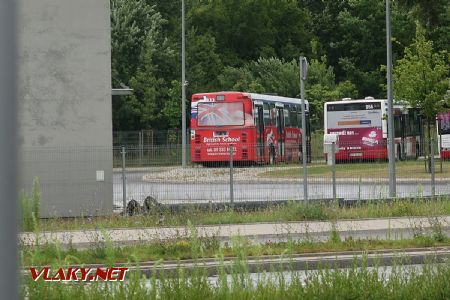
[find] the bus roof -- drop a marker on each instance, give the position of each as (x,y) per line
(254,96)
(355,101)
(272,98)
(396,103)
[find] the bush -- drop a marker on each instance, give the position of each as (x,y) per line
(29,208)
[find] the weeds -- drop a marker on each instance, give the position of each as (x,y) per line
(292,211)
(335,237)
(356,282)
(29,209)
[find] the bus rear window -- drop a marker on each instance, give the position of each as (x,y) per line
(220,114)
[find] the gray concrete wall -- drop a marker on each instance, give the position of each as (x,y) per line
(65,104)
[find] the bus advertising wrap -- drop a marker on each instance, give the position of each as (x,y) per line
(359,138)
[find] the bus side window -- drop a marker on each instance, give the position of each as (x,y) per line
(273,114)
(299,117)
(266,114)
(293,116)
(287,122)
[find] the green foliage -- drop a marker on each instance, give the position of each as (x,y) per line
(421,77)
(277,76)
(358,281)
(246,30)
(253,45)
(310,211)
(203,64)
(321,87)
(141,57)
(29,208)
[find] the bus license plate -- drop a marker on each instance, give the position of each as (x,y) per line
(355,154)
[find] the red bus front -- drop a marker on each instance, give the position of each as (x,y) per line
(259,128)
(220,121)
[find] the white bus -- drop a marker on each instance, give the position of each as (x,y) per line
(362,129)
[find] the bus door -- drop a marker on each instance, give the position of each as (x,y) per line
(280,130)
(259,122)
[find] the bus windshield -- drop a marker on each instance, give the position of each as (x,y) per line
(220,114)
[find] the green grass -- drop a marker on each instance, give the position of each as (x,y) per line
(356,282)
(283,213)
(404,169)
(29,207)
(182,248)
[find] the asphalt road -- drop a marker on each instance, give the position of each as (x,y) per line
(173,193)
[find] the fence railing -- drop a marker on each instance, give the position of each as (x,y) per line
(229,179)
(82,176)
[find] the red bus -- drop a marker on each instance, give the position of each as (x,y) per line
(260,128)
(362,129)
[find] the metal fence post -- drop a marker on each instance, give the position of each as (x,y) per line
(231,177)
(433,182)
(124,182)
(141,147)
(333,167)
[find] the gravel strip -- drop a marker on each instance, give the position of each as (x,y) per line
(178,174)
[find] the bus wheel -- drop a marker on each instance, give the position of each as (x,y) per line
(271,155)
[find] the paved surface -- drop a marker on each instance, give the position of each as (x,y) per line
(170,189)
(393,228)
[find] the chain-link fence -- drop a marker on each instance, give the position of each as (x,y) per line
(249,173)
(245,173)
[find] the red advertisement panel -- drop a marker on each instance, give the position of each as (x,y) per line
(360,142)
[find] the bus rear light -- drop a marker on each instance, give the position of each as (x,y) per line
(244,138)
(197,138)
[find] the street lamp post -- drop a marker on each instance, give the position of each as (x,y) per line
(391,149)
(183,87)
(303,64)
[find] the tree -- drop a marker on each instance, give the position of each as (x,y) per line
(421,78)
(142,59)
(172,107)
(274,75)
(131,23)
(203,64)
(266,75)
(321,87)
(246,30)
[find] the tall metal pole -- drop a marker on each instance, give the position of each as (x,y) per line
(9,276)
(432,170)
(183,87)
(391,148)
(231,178)
(304,154)
(124,182)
